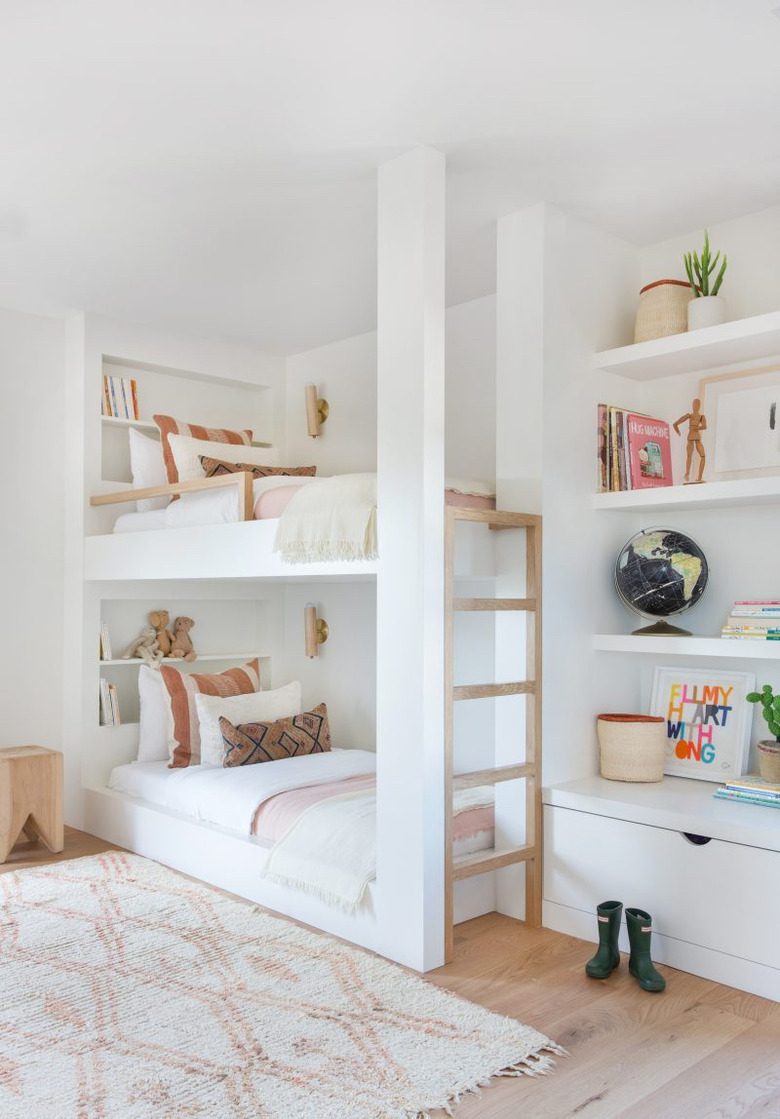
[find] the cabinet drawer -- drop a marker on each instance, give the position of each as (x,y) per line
(719,895)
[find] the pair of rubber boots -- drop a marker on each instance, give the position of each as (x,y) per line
(608,956)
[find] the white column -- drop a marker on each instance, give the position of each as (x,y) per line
(410,586)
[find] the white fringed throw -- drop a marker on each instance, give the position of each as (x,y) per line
(127,990)
(330,519)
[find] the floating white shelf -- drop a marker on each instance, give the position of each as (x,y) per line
(120,421)
(117,662)
(709,495)
(755,649)
(709,348)
(677,803)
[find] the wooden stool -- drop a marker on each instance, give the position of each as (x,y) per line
(30,797)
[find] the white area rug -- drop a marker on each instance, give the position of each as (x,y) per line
(128,992)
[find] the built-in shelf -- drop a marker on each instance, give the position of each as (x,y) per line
(754,649)
(708,348)
(120,421)
(709,495)
(117,662)
(678,803)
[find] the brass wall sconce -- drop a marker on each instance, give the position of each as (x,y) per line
(315,629)
(317,410)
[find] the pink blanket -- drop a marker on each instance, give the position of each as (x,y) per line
(276,816)
(273,502)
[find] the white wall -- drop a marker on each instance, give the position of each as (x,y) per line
(32,401)
(345,375)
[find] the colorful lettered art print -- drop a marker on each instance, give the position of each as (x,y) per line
(708,721)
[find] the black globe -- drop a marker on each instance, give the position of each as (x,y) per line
(660,573)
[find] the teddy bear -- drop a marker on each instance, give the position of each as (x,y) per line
(181,646)
(159,619)
(145,646)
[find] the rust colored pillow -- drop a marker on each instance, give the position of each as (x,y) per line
(213,467)
(179,691)
(251,743)
(170,426)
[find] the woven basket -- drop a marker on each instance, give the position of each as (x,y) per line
(632,747)
(663,310)
(769,760)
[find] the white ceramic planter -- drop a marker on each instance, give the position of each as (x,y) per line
(707,310)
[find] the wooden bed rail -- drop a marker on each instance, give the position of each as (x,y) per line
(242,479)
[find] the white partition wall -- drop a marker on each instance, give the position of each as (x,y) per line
(410,587)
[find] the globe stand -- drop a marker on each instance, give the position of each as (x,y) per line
(661,629)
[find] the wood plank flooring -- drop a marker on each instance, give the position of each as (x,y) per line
(697,1051)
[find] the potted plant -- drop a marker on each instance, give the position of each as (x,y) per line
(707,308)
(769,749)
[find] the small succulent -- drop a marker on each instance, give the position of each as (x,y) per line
(699,271)
(771,708)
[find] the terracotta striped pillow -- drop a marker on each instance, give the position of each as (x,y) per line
(251,743)
(213,467)
(179,691)
(170,426)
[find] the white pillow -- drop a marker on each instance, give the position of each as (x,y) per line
(147,468)
(256,707)
(155,717)
(186,452)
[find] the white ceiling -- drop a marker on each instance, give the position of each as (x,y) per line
(208,165)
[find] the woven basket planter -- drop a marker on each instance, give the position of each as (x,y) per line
(769,760)
(632,747)
(663,310)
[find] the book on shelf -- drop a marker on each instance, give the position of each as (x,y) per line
(750,789)
(105,643)
(120,397)
(755,620)
(634,451)
(114,698)
(106,712)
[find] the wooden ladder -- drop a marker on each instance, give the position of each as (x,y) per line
(531,852)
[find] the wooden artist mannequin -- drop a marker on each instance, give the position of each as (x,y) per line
(697,423)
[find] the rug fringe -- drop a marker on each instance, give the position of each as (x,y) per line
(539,1062)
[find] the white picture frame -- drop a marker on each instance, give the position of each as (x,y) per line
(743,423)
(708,721)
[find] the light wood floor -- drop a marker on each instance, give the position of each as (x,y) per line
(697,1051)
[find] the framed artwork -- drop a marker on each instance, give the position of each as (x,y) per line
(708,721)
(743,423)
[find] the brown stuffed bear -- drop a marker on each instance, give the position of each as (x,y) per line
(181,646)
(159,619)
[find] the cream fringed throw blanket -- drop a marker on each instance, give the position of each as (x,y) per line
(330,519)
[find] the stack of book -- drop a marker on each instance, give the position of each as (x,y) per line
(634,451)
(105,643)
(751,790)
(109,705)
(120,397)
(753,621)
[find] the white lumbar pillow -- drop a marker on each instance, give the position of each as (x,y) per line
(186,453)
(256,707)
(155,717)
(147,468)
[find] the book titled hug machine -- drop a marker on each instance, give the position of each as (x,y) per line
(634,451)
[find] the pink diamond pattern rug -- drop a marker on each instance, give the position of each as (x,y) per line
(129,992)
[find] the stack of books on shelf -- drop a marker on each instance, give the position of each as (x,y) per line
(634,451)
(109,705)
(750,790)
(120,398)
(753,621)
(105,643)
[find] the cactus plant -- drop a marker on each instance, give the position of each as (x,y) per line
(699,271)
(771,708)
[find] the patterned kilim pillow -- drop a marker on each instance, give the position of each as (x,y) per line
(213,467)
(250,743)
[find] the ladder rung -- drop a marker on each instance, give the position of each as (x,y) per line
(490,691)
(492,776)
(495,518)
(494,604)
(483,861)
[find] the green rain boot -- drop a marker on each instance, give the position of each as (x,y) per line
(608,956)
(639,964)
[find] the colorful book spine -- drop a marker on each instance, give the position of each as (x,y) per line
(648,452)
(105,405)
(602,476)
(134,391)
(744,798)
(114,406)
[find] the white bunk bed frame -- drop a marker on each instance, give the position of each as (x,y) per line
(408,917)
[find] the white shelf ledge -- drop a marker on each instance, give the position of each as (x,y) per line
(732,649)
(708,348)
(677,803)
(709,495)
(121,421)
(118,662)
